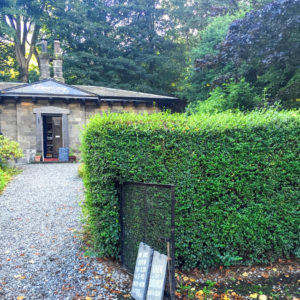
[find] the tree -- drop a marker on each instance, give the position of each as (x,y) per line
(20,24)
(149,41)
(119,44)
(264,48)
(198,83)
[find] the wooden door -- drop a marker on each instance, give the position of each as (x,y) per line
(57,135)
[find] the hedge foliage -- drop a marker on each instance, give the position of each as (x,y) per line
(236,176)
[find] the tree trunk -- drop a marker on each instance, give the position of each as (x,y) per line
(23,74)
(20,40)
(20,55)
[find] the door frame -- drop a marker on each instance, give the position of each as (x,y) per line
(45,131)
(51,111)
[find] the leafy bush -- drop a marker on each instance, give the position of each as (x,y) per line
(232,95)
(9,149)
(236,176)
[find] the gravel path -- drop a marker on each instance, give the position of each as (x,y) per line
(40,256)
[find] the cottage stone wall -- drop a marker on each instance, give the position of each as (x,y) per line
(18,122)
(8,119)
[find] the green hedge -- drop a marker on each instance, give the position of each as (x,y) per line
(236,177)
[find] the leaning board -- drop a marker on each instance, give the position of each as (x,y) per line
(157,280)
(142,272)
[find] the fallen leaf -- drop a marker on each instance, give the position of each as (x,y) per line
(254,296)
(21,277)
(88,298)
(31,261)
(20,297)
(185,278)
(199,294)
(265,275)
(274,269)
(245,274)
(126,296)
(262,297)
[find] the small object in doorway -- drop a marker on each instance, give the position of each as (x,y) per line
(37,157)
(63,154)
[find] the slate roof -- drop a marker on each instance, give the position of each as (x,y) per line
(52,88)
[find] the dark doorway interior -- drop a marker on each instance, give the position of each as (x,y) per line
(52,133)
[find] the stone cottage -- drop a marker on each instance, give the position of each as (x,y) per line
(49,114)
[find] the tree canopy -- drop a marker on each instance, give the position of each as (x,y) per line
(151,46)
(262,47)
(20,25)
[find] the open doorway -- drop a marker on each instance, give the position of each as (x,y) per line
(52,136)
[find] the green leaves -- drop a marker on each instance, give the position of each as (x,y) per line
(236,178)
(9,149)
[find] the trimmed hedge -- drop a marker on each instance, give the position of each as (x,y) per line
(236,177)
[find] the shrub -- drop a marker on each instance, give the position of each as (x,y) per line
(9,149)
(233,95)
(236,177)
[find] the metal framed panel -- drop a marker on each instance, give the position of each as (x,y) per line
(147,214)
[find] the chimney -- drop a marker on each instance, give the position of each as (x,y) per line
(44,61)
(57,61)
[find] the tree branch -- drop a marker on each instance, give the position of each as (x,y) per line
(12,22)
(35,34)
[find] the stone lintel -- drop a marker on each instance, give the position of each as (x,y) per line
(51,110)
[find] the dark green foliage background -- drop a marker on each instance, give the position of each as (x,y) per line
(236,177)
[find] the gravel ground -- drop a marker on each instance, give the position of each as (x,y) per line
(40,256)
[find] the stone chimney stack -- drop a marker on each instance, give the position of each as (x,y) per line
(44,61)
(57,61)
